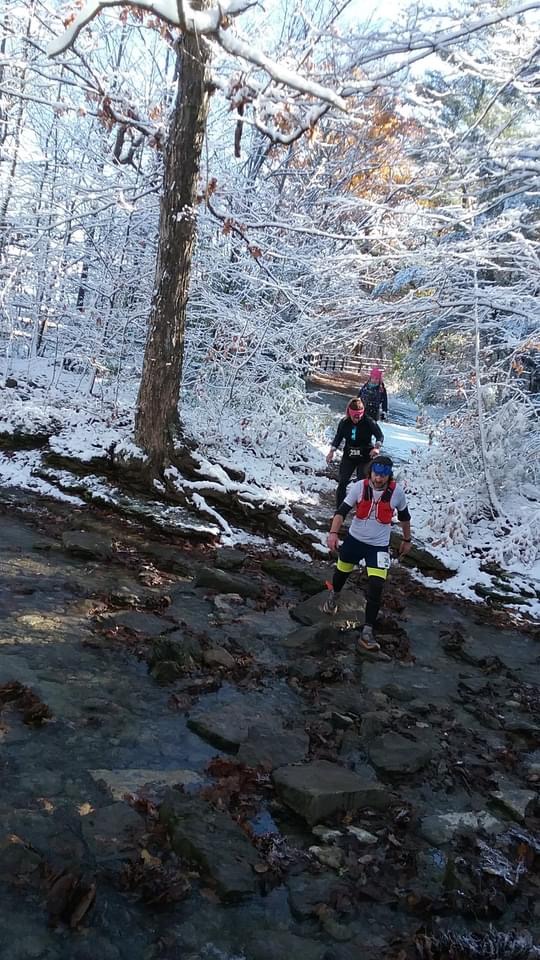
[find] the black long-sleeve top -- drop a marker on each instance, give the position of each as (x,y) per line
(373,396)
(357,437)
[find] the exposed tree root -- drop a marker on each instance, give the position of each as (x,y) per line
(207,490)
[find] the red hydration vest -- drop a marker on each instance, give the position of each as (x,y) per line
(383,510)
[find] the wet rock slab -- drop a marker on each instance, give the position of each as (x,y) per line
(223,581)
(178,647)
(90,545)
(443,827)
(515,802)
(321,789)
(268,748)
(227,725)
(351,608)
(282,945)
(347,698)
(218,657)
(294,574)
(475,652)
(122,782)
(305,640)
(521,726)
(17,858)
(230,558)
(209,837)
(55,835)
(167,671)
(224,726)
(111,712)
(398,692)
(147,624)
(307,892)
(190,608)
(111,833)
(394,753)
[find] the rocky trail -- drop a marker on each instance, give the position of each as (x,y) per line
(197,763)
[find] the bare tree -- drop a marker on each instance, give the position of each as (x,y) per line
(157,424)
(157,421)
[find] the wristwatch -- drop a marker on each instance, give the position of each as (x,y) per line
(407,541)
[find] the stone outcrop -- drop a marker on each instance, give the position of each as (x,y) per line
(87,544)
(121,782)
(223,581)
(440,828)
(211,839)
(268,748)
(321,789)
(394,753)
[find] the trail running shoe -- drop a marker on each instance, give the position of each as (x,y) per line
(330,605)
(367,640)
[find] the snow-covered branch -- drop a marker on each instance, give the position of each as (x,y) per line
(178,13)
(212,23)
(279,72)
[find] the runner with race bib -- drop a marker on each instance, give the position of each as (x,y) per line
(374,500)
(357,431)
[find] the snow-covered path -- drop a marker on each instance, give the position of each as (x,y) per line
(400,440)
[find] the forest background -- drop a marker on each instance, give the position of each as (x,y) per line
(356,187)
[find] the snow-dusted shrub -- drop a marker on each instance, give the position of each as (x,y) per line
(456,477)
(406,279)
(245,358)
(275,422)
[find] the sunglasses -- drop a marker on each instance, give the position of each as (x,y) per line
(381,469)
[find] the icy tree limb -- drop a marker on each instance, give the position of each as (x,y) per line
(179,14)
(424,44)
(289,78)
(212,24)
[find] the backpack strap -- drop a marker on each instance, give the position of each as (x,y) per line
(387,495)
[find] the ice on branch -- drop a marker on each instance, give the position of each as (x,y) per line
(210,23)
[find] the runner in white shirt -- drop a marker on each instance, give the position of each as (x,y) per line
(375,500)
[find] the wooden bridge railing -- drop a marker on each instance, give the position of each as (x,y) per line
(327,363)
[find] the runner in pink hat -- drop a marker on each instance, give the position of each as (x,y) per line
(374,396)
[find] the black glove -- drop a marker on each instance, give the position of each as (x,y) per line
(383,415)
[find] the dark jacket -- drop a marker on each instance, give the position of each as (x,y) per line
(357,437)
(374,396)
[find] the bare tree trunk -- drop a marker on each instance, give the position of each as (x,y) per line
(85,266)
(157,420)
(494,501)
(5,227)
(4,108)
(45,223)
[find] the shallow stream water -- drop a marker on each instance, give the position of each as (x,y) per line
(109,714)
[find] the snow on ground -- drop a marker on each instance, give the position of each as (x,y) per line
(288,462)
(84,427)
(17,470)
(400,440)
